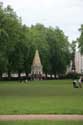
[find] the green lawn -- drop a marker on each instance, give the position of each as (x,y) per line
(41,122)
(52,97)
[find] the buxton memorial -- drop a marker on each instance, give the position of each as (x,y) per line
(36,68)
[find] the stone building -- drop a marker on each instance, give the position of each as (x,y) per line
(36,69)
(78,63)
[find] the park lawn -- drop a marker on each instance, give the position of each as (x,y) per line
(40,97)
(41,122)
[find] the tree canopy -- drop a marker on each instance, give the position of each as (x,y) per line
(80,39)
(18,43)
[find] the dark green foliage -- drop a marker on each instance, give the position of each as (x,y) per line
(80,39)
(19,42)
(73,47)
(72,75)
(59,50)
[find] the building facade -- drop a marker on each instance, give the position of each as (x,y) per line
(78,63)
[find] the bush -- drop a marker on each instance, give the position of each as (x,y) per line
(73,75)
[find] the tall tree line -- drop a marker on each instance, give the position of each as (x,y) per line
(18,43)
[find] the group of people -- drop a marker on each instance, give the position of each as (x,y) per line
(77,83)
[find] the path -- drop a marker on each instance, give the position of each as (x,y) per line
(40,117)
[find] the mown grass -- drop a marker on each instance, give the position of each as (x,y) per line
(41,122)
(46,97)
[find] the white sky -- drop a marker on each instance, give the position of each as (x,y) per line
(66,14)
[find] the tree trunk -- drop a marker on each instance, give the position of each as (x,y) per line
(19,76)
(26,75)
(0,75)
(46,76)
(9,75)
(51,76)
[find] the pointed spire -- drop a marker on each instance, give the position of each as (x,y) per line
(36,65)
(36,60)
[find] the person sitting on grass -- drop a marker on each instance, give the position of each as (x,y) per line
(75,84)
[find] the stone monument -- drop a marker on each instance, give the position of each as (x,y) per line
(36,69)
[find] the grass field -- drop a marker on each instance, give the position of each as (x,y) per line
(36,97)
(44,122)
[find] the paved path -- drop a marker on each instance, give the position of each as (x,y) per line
(40,117)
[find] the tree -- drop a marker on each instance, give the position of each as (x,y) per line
(3,46)
(80,40)
(59,50)
(19,42)
(73,47)
(39,41)
(11,24)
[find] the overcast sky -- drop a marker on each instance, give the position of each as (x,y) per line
(66,14)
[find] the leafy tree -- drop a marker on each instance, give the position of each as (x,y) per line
(59,50)
(73,47)
(19,42)
(11,25)
(80,39)
(3,45)
(20,54)
(39,41)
